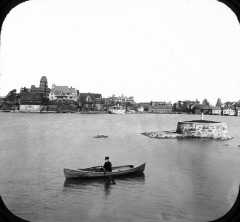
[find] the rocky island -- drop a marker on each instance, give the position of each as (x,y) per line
(194,129)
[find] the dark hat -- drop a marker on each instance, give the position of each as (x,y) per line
(106,158)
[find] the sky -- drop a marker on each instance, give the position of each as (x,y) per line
(154,50)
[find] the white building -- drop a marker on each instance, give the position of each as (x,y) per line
(63,92)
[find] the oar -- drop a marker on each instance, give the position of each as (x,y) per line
(109,176)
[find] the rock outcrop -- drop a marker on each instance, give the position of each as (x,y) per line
(194,129)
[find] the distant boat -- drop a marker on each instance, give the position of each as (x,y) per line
(117,110)
(101,136)
(95,172)
(140,109)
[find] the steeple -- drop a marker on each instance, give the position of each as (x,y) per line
(43,82)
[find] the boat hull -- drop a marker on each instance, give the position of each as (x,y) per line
(94,172)
(115,111)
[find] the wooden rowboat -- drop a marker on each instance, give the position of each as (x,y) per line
(95,172)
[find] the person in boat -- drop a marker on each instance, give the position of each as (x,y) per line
(107,165)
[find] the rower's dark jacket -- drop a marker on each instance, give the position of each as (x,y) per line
(108,166)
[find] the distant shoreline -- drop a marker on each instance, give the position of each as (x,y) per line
(103,112)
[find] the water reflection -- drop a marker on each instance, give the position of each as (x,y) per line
(103,187)
(107,187)
(83,183)
(140,178)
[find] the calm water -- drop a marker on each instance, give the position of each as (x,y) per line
(184,180)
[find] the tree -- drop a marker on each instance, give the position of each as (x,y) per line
(205,102)
(11,96)
(238,103)
(228,103)
(197,102)
(219,102)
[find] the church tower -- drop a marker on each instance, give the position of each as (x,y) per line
(43,82)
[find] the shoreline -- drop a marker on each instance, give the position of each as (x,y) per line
(106,112)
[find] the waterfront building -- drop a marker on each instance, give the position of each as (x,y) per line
(216,110)
(99,103)
(43,88)
(229,111)
(125,102)
(120,100)
(184,106)
(31,101)
(63,92)
(167,108)
(32,98)
(199,108)
(88,100)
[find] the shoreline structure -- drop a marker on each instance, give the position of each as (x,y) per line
(194,129)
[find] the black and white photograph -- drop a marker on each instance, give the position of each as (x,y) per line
(119,110)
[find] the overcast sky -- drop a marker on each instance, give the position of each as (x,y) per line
(160,50)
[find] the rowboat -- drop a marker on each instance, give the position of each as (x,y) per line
(95,172)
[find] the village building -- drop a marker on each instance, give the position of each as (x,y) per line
(63,93)
(164,108)
(88,100)
(184,106)
(99,104)
(199,108)
(43,88)
(229,111)
(120,100)
(31,101)
(216,110)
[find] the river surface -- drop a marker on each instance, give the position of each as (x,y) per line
(184,180)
